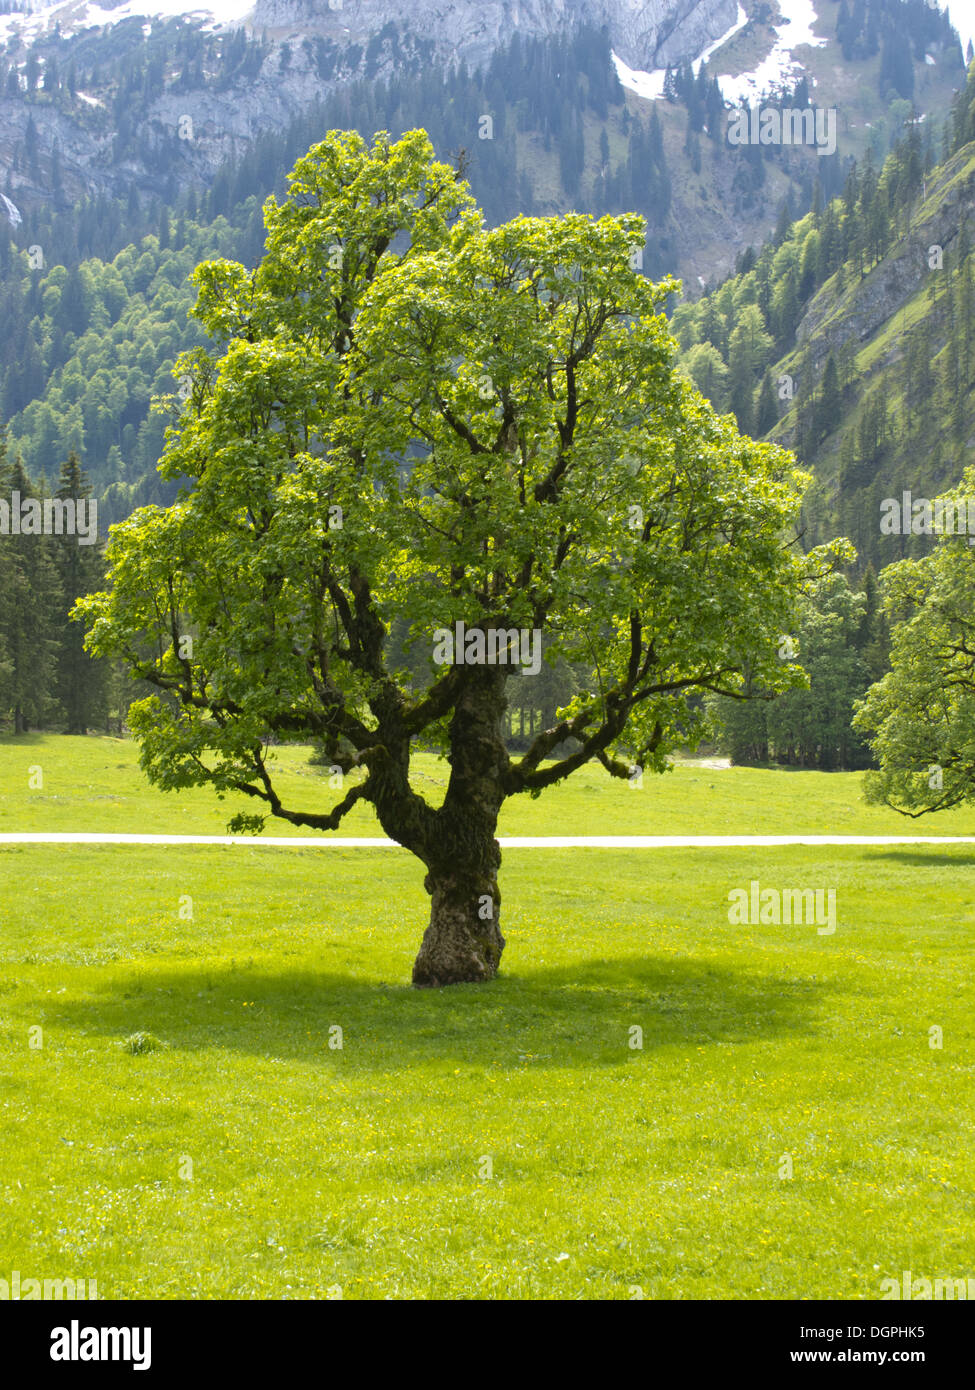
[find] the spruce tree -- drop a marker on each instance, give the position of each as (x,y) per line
(28,618)
(81,682)
(767,413)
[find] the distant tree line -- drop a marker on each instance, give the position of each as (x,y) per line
(902,31)
(842,643)
(47,680)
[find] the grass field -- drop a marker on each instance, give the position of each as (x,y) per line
(96,784)
(494,1141)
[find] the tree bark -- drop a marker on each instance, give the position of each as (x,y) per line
(463,943)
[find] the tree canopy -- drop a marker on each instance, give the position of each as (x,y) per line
(922,712)
(413,422)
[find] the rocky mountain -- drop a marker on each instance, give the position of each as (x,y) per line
(136,143)
(644,33)
(101,100)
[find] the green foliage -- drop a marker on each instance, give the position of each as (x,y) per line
(921,714)
(104,338)
(811,726)
(494,418)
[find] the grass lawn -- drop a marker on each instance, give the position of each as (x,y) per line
(96,784)
(492,1141)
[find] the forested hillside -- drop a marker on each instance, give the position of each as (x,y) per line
(850,337)
(94,322)
(559,131)
(88,350)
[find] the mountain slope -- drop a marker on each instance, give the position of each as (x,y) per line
(851,339)
(902,418)
(560,132)
(98,102)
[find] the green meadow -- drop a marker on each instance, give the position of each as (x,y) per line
(216,1082)
(96,784)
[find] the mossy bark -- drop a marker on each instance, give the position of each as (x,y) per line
(463,942)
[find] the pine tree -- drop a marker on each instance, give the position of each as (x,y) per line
(740,391)
(785,220)
(966,301)
(924,383)
(956,411)
(767,413)
(81,681)
(28,617)
(6,590)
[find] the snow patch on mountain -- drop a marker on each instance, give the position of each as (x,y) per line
(76,15)
(775,71)
(646,84)
(781,67)
(651,84)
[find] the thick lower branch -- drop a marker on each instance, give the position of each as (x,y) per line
(314,820)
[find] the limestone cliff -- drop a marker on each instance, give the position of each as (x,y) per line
(645,33)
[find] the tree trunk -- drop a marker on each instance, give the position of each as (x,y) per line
(463,943)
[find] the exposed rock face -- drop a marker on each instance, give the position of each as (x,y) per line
(218,125)
(645,33)
(215,125)
(870,303)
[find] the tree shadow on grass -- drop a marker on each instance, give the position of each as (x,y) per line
(929,857)
(578,1015)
